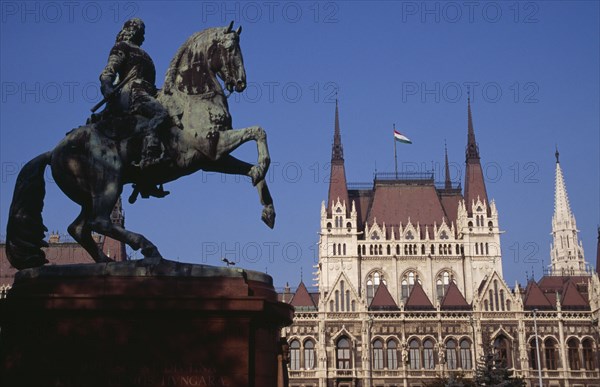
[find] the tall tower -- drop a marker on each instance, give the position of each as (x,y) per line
(338,236)
(477,218)
(474,183)
(566,249)
(338,188)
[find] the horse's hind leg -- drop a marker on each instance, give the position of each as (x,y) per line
(100,222)
(82,233)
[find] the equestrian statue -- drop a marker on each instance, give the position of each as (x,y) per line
(144,137)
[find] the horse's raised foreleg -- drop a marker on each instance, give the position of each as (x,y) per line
(230,165)
(82,233)
(100,222)
(231,139)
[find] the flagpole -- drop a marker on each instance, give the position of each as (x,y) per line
(395,154)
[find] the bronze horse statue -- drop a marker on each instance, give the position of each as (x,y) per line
(93,162)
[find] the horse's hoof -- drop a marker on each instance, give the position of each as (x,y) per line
(257,174)
(268,216)
(151,252)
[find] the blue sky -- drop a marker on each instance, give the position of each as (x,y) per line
(533,68)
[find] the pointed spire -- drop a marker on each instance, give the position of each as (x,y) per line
(337,151)
(472,148)
(566,252)
(562,208)
(474,182)
(448,183)
(337,182)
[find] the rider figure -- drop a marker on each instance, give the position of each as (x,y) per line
(138,96)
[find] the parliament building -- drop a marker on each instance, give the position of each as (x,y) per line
(410,287)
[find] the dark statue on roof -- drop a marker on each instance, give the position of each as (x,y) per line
(145,137)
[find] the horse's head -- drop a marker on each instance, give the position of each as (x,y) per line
(206,55)
(225,58)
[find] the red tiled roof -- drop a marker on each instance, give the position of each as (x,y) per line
(535,298)
(572,298)
(418,300)
(454,300)
(302,298)
(556,282)
(362,200)
(450,206)
(395,202)
(383,300)
(337,185)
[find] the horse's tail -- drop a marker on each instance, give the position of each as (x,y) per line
(25,228)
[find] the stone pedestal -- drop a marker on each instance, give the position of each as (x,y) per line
(136,324)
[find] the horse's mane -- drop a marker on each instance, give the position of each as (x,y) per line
(171,74)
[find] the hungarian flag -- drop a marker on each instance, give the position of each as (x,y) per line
(402,138)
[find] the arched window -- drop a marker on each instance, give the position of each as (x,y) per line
(573,350)
(533,354)
(404,289)
(378,355)
(588,354)
(428,361)
(309,355)
(295,355)
(392,355)
(343,354)
(408,282)
(442,283)
(551,354)
(502,351)
(328,226)
(374,279)
(451,355)
(465,355)
(349,226)
(414,355)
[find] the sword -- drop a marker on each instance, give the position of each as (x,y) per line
(118,87)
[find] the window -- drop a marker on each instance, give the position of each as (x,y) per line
(428,361)
(378,355)
(451,355)
(502,351)
(442,283)
(408,282)
(343,354)
(414,355)
(551,352)
(588,354)
(533,364)
(309,355)
(295,355)
(465,355)
(573,350)
(392,355)
(373,281)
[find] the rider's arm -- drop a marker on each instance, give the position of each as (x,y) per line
(116,59)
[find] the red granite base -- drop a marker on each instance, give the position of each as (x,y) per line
(134,325)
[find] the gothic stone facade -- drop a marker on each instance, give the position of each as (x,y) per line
(410,288)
